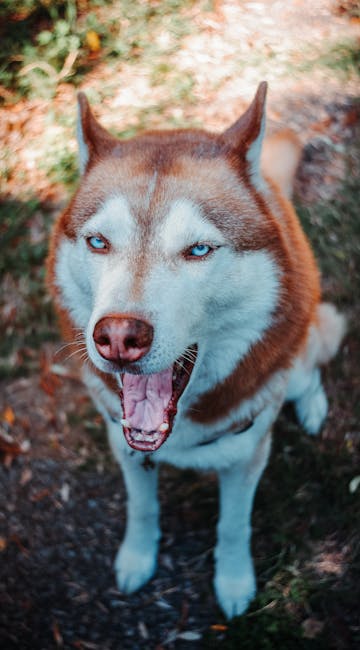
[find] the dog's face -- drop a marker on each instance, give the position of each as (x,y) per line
(166,252)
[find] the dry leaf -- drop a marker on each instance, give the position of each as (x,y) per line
(16,540)
(26,476)
(322,126)
(352,116)
(9,416)
(57,636)
(40,495)
(93,41)
(218,627)
(49,383)
(9,446)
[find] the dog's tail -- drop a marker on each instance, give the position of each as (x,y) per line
(280,158)
(331,329)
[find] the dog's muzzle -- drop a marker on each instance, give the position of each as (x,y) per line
(149,401)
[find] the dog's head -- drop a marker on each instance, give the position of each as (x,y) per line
(166,254)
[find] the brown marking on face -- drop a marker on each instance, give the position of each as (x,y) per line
(146,212)
(129,169)
(145,171)
(108,379)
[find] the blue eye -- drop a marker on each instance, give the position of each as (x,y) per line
(200,250)
(97,243)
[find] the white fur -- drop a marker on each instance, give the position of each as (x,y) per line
(136,559)
(73,283)
(185,225)
(82,147)
(253,157)
(312,406)
(304,384)
(234,580)
(330,330)
(114,221)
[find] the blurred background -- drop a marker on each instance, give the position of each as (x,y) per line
(148,64)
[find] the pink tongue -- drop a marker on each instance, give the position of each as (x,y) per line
(145,399)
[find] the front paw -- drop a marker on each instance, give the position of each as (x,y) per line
(133,569)
(312,410)
(234,593)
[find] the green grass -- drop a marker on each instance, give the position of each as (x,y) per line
(46,43)
(334,230)
(266,631)
(340,57)
(62,166)
(344,56)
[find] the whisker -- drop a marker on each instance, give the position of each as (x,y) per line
(78,338)
(78,351)
(189,356)
(179,363)
(64,346)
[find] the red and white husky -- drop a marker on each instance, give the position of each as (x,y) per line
(185,270)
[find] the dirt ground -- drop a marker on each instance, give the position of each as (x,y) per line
(62,495)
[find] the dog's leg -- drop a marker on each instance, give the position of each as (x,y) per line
(137,556)
(312,406)
(306,391)
(234,573)
(304,386)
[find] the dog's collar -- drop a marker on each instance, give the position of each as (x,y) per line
(245,426)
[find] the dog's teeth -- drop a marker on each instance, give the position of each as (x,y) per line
(125,423)
(164,427)
(119,380)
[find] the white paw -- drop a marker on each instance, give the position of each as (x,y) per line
(234,594)
(133,569)
(312,410)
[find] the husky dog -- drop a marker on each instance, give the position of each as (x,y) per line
(184,268)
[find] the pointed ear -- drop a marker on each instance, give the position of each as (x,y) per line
(246,135)
(93,140)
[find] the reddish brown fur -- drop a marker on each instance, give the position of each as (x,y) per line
(283,237)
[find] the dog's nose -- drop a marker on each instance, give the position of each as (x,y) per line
(122,339)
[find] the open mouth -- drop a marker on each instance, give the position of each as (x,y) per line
(149,402)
